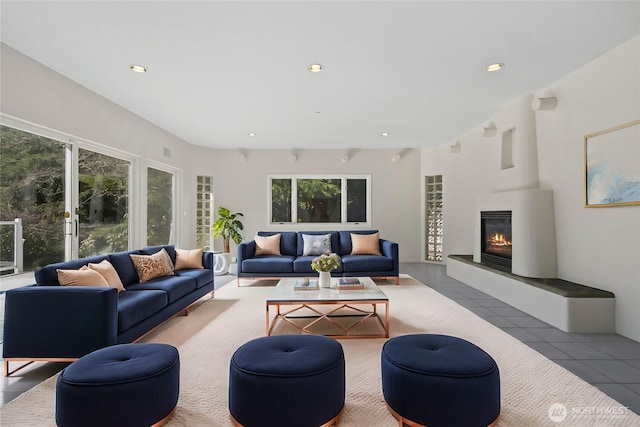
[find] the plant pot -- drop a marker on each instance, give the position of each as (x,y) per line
(222,263)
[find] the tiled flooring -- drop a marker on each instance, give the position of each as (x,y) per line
(608,361)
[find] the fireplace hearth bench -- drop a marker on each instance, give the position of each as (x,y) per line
(569,306)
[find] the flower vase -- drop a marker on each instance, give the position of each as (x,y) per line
(324,279)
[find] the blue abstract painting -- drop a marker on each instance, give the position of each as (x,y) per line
(613,166)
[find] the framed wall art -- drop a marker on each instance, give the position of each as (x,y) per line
(612,166)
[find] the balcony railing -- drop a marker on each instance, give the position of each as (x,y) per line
(14,266)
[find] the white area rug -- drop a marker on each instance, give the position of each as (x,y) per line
(207,338)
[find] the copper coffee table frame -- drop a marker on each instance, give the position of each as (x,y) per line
(371,295)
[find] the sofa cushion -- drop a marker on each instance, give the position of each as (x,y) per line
(188,258)
(268,245)
(268,264)
(136,306)
(316,244)
(345,240)
(82,277)
(366,263)
(201,276)
(302,264)
(288,241)
(335,240)
(175,286)
(48,275)
(365,244)
(106,270)
(153,266)
(121,261)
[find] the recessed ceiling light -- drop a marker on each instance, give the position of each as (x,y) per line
(495,67)
(385,134)
(252,134)
(137,68)
(315,68)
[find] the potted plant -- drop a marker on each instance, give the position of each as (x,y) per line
(228,226)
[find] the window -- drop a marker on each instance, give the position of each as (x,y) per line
(434,228)
(320,199)
(160,203)
(204,212)
(103,203)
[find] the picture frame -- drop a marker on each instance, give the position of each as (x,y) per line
(612,166)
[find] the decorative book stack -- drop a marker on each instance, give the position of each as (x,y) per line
(350,283)
(305,285)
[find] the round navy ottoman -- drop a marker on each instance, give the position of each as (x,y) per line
(287,380)
(438,380)
(123,385)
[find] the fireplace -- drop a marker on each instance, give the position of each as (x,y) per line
(495,239)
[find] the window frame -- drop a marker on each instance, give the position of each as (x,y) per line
(294,199)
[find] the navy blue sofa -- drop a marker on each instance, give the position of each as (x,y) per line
(49,322)
(291,262)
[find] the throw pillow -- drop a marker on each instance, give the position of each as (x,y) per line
(83,277)
(106,270)
(268,245)
(316,244)
(365,244)
(188,258)
(152,266)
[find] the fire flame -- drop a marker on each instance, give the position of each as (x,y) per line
(499,240)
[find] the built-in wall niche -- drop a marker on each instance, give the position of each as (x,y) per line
(507,149)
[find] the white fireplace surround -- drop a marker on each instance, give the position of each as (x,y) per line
(534,255)
(533,230)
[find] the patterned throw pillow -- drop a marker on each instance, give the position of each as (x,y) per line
(109,273)
(82,277)
(188,258)
(268,245)
(316,244)
(152,266)
(365,244)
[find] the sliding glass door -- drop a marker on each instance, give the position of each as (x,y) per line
(72,202)
(32,188)
(103,203)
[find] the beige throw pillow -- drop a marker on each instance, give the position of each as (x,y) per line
(268,245)
(188,258)
(106,270)
(152,266)
(83,277)
(365,244)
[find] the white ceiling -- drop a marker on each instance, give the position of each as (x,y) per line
(221,70)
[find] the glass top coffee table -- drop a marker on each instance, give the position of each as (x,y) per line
(336,313)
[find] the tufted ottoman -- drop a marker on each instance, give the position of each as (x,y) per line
(287,380)
(438,380)
(123,385)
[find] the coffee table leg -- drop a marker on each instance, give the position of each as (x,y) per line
(267,322)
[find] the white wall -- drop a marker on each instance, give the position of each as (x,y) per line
(596,247)
(395,186)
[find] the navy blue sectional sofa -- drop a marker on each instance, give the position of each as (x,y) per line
(292,263)
(49,322)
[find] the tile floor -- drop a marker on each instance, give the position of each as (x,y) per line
(610,362)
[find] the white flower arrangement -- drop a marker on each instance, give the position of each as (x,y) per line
(326,262)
